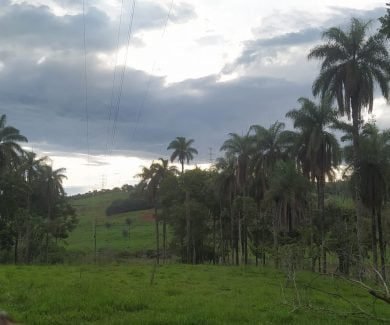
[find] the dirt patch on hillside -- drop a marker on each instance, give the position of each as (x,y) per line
(148,217)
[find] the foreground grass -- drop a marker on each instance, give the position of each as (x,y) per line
(109,230)
(180,294)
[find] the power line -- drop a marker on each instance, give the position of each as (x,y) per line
(114,130)
(141,107)
(86,83)
(114,77)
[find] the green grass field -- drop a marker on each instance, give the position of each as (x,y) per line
(122,293)
(109,230)
(180,294)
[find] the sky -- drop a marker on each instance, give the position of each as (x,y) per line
(199,69)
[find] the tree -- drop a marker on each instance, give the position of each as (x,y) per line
(241,147)
(10,150)
(151,179)
(320,150)
(182,151)
(288,194)
(52,190)
(374,168)
(352,63)
(270,145)
(385,22)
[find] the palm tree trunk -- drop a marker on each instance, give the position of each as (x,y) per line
(276,214)
(188,226)
(16,248)
(214,241)
(321,207)
(28,230)
(358,201)
(164,240)
(239,242)
(221,234)
(381,244)
(157,235)
(374,242)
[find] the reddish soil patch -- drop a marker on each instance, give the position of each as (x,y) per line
(148,217)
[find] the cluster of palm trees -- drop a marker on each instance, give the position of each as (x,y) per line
(263,186)
(33,207)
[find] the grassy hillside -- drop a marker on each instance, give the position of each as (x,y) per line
(180,294)
(109,230)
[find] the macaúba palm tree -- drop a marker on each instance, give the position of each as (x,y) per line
(241,147)
(374,167)
(270,145)
(10,150)
(182,151)
(52,189)
(320,151)
(352,63)
(287,193)
(151,179)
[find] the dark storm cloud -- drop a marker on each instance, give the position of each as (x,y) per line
(262,47)
(48,107)
(28,26)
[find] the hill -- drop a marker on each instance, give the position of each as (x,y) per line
(125,234)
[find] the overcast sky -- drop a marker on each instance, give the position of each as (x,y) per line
(219,66)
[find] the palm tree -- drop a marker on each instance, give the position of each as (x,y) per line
(10,150)
(374,167)
(51,182)
(182,151)
(30,168)
(288,193)
(151,179)
(320,153)
(271,145)
(352,63)
(225,186)
(241,147)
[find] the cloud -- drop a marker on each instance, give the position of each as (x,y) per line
(262,51)
(26,26)
(42,86)
(46,102)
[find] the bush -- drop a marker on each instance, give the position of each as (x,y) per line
(127,205)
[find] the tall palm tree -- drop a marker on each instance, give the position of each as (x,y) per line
(271,145)
(151,179)
(288,193)
(320,148)
(352,63)
(374,167)
(182,151)
(10,150)
(30,168)
(225,186)
(241,147)
(52,188)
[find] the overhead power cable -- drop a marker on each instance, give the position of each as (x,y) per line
(146,94)
(114,78)
(117,108)
(86,84)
